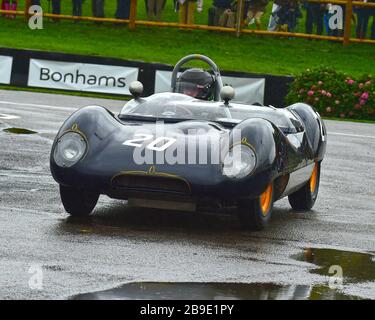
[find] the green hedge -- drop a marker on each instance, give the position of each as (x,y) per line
(335,94)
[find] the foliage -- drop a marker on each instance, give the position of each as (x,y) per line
(335,94)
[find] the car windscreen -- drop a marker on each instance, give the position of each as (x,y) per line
(185,108)
(191,110)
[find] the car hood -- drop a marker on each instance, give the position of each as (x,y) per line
(185,148)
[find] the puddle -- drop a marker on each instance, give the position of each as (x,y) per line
(214,291)
(19,131)
(356,267)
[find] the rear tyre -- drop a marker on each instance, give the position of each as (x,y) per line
(305,197)
(78,202)
(255,214)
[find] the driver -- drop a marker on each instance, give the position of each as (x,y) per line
(196,83)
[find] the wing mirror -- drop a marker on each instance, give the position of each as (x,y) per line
(136,89)
(227,93)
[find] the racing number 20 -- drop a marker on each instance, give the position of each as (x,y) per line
(140,138)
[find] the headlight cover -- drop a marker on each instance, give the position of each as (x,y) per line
(69,149)
(239,162)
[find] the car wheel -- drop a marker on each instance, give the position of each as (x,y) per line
(255,214)
(305,197)
(78,202)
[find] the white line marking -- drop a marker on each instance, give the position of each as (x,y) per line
(350,135)
(4,116)
(36,105)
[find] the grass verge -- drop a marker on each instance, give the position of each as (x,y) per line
(249,53)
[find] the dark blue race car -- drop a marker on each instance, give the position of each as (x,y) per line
(191,149)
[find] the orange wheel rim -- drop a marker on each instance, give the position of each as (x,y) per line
(266,199)
(314,178)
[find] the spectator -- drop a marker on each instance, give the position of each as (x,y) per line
(255,11)
(217,10)
(186,9)
(154,9)
(272,25)
(287,16)
(314,17)
(372,13)
(98,8)
(9,5)
(363,17)
(77,8)
(56,8)
(123,9)
(327,17)
(13,7)
(228,18)
(5,6)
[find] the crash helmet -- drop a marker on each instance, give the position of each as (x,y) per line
(196,83)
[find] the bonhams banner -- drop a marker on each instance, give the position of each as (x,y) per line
(247,90)
(81,76)
(5,69)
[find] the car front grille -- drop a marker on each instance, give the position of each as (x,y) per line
(152,183)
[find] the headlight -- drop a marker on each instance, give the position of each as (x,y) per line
(239,162)
(69,149)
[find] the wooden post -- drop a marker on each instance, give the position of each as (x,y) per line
(26,10)
(240,9)
(133,14)
(348,22)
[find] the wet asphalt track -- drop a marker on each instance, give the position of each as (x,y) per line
(120,245)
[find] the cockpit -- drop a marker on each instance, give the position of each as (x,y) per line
(175,107)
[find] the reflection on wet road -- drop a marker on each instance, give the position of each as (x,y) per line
(19,131)
(214,291)
(356,266)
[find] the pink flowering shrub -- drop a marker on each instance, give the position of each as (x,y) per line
(334,94)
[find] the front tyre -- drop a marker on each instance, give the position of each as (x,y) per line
(255,214)
(78,202)
(305,197)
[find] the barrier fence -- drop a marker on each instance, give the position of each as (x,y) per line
(132,22)
(69,72)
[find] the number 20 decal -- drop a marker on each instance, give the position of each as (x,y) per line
(140,138)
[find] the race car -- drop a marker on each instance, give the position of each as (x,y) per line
(191,149)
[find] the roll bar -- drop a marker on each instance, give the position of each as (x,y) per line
(214,69)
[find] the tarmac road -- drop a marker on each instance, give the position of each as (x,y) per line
(46,255)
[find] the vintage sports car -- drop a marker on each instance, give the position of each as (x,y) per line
(161,151)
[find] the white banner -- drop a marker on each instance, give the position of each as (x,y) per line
(5,69)
(248,90)
(81,76)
